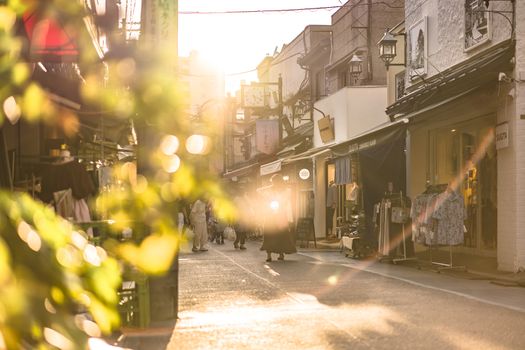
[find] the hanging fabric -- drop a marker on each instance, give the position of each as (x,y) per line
(343,170)
(383,163)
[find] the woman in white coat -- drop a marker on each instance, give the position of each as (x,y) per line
(200,229)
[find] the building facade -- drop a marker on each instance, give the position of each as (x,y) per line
(462,100)
(350,109)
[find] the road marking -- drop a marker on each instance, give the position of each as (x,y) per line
(291,296)
(419,284)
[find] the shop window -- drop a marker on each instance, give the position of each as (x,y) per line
(467,153)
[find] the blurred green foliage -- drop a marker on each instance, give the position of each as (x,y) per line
(56,288)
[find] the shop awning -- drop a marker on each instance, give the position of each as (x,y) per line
(245,170)
(48,39)
(480,70)
(367,139)
(276,165)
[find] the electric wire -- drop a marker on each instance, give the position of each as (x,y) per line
(300,9)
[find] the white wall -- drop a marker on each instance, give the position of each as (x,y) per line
(511,161)
(355,110)
(446,27)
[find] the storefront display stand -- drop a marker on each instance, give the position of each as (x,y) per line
(446,266)
(404,256)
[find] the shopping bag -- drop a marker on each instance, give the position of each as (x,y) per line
(229,233)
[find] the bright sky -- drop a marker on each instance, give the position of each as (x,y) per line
(238,42)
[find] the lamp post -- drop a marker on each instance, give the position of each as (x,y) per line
(388,49)
(356,67)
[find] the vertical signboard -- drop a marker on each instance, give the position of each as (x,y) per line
(160,24)
(267,135)
(502,136)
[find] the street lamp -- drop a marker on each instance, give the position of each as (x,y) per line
(387,48)
(356,67)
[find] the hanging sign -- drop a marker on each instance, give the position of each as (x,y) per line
(270,168)
(267,135)
(326,129)
(502,136)
(304,174)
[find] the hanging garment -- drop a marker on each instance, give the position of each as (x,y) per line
(63,201)
(81,213)
(384,227)
(450,215)
(423,223)
(73,175)
(352,192)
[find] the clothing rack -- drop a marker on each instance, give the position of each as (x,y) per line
(405,257)
(440,188)
(400,200)
(446,266)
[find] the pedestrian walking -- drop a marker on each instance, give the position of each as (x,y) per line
(245,217)
(277,237)
(214,234)
(200,229)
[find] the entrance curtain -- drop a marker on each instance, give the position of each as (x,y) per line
(383,163)
(343,171)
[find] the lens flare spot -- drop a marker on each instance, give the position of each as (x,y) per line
(91,255)
(23,230)
(171,164)
(49,306)
(169,145)
(65,256)
(57,339)
(274,205)
(332,280)
(197,144)
(33,241)
(89,327)
(79,240)
(12,110)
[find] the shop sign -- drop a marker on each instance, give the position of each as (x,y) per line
(356,147)
(270,168)
(304,174)
(267,135)
(502,136)
(160,18)
(326,129)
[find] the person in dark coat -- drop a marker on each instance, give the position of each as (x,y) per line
(277,237)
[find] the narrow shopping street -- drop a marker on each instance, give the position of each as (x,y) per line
(231,299)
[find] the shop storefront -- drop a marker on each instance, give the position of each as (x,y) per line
(460,150)
(452,146)
(353,176)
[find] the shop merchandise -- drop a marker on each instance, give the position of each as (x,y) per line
(390,217)
(66,185)
(423,225)
(450,216)
(438,217)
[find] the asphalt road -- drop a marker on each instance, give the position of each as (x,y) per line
(231,299)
